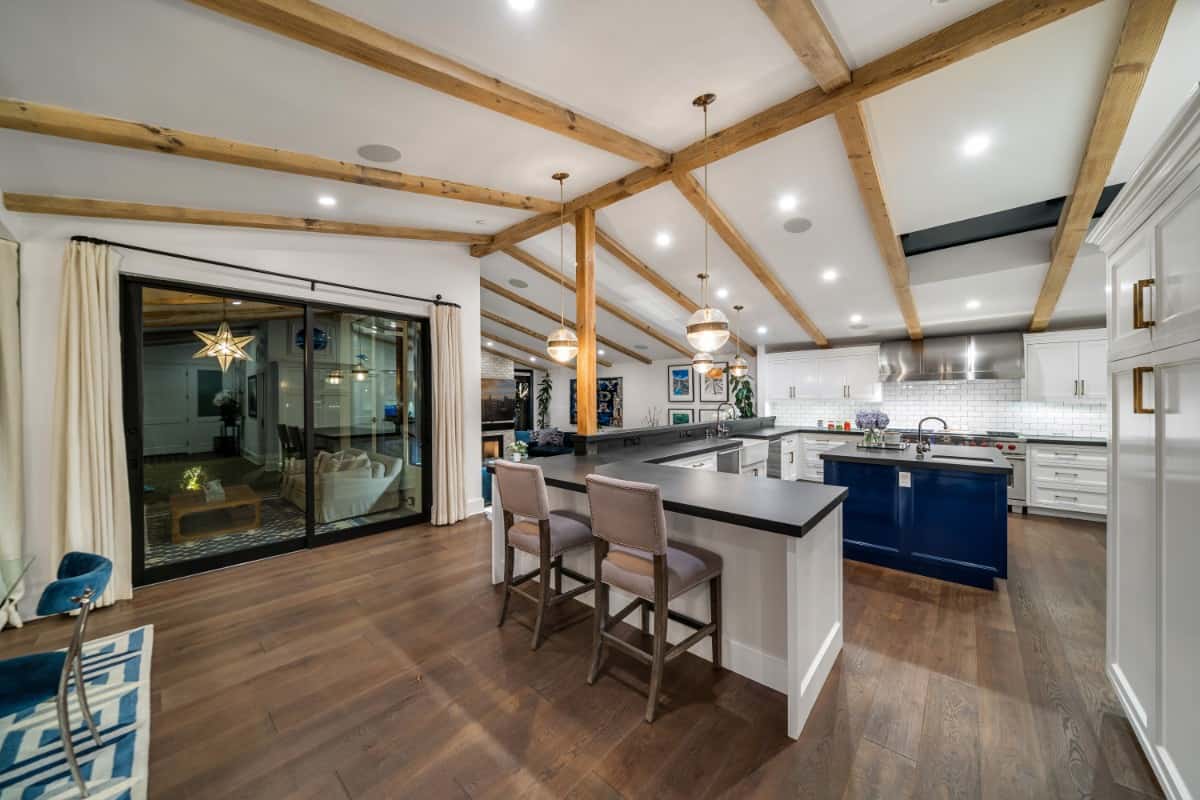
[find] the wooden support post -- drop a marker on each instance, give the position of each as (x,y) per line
(585,320)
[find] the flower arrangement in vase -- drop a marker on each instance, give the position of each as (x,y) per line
(518,451)
(873,422)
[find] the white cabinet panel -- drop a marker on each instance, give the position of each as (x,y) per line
(1051,371)
(862,377)
(1129,266)
(1177,283)
(1179,409)
(1093,369)
(1133,549)
(1057,455)
(833,376)
(807,377)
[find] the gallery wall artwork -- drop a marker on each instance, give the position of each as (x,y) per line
(610,403)
(714,384)
(680,385)
(680,416)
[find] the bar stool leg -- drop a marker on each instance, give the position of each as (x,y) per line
(646,617)
(508,577)
(558,575)
(714,608)
(599,612)
(660,634)
(544,599)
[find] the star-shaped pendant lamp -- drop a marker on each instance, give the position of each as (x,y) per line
(223,345)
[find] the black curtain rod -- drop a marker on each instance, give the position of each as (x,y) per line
(312,283)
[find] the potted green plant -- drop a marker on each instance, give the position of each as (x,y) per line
(545,387)
(518,450)
(743,396)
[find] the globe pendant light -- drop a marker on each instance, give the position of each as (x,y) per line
(335,377)
(223,345)
(562,344)
(702,362)
(707,328)
(739,367)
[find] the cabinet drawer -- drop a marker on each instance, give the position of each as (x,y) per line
(1070,500)
(1093,480)
(706,462)
(788,444)
(1061,456)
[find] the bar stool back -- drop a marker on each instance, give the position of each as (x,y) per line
(632,552)
(542,532)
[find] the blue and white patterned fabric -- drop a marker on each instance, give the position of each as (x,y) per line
(116,670)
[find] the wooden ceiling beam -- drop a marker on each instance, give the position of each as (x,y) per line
(345,36)
(802,27)
(690,188)
(115,209)
(857,142)
(519,328)
(496,288)
(997,24)
(1145,22)
(544,269)
(22,115)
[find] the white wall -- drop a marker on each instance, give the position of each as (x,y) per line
(644,387)
(416,268)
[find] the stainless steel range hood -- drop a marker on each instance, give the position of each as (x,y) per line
(988,356)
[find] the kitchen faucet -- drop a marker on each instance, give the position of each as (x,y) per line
(722,428)
(923,446)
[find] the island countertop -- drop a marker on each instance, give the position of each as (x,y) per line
(942,456)
(765,504)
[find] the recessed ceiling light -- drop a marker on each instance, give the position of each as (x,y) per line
(855,319)
(517,283)
(973,304)
(599,352)
(761,329)
(788,202)
(524,6)
(235,302)
(491,344)
(975,144)
(327,200)
(939,2)
(383,153)
(797,225)
(533,358)
(722,293)
(829,275)
(662,239)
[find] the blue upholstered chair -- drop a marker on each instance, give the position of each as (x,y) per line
(28,680)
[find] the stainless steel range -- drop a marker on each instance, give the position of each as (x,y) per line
(1012,445)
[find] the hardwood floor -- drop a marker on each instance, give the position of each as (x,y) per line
(374,669)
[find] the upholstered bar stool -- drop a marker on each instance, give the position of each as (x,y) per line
(543,533)
(633,554)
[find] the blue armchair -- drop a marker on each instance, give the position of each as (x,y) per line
(28,680)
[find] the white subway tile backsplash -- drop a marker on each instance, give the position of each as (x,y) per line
(965,405)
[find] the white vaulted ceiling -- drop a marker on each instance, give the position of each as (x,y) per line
(635,66)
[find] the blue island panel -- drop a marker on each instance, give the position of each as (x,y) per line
(948,524)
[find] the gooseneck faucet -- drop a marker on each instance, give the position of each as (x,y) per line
(923,446)
(722,428)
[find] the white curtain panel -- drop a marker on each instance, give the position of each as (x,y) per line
(12,518)
(91,485)
(449,491)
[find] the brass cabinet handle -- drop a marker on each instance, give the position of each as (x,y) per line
(1139,304)
(1139,373)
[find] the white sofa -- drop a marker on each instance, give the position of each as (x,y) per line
(349,483)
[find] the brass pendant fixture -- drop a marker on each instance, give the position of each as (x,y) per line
(739,367)
(223,345)
(334,378)
(707,328)
(702,363)
(562,344)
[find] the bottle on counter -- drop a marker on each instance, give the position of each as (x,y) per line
(846,425)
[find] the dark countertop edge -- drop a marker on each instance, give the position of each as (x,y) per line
(715,446)
(1066,440)
(741,520)
(853,454)
(770,434)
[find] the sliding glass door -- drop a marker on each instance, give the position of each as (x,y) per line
(258,425)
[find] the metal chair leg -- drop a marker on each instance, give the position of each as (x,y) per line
(83,701)
(64,727)
(543,600)
(714,609)
(508,577)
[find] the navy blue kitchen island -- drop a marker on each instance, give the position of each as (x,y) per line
(943,513)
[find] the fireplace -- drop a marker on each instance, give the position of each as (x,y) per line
(493,445)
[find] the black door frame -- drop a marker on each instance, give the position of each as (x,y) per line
(133,407)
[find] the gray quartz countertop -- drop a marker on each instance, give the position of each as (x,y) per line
(942,456)
(773,432)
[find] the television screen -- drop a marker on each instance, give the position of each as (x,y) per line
(499,400)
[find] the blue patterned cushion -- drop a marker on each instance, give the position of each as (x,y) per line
(549,437)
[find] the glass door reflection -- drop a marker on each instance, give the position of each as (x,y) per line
(368,428)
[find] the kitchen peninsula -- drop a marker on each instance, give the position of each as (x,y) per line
(781,543)
(941,513)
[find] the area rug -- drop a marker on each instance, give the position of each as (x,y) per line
(116,671)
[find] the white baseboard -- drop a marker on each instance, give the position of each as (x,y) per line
(475,506)
(1164,769)
(1054,512)
(814,680)
(752,663)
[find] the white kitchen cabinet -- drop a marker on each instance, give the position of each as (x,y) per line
(792,376)
(783,461)
(704,463)
(862,376)
(1068,365)
(1151,236)
(1069,478)
(807,376)
(850,373)
(812,468)
(833,377)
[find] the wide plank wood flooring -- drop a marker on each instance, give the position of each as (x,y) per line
(373,669)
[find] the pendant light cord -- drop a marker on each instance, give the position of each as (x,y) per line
(562,275)
(704,283)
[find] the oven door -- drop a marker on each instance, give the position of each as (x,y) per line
(1018,484)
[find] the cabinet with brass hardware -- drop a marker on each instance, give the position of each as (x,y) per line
(1151,236)
(1068,478)
(1068,365)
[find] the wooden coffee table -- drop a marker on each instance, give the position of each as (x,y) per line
(183,505)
